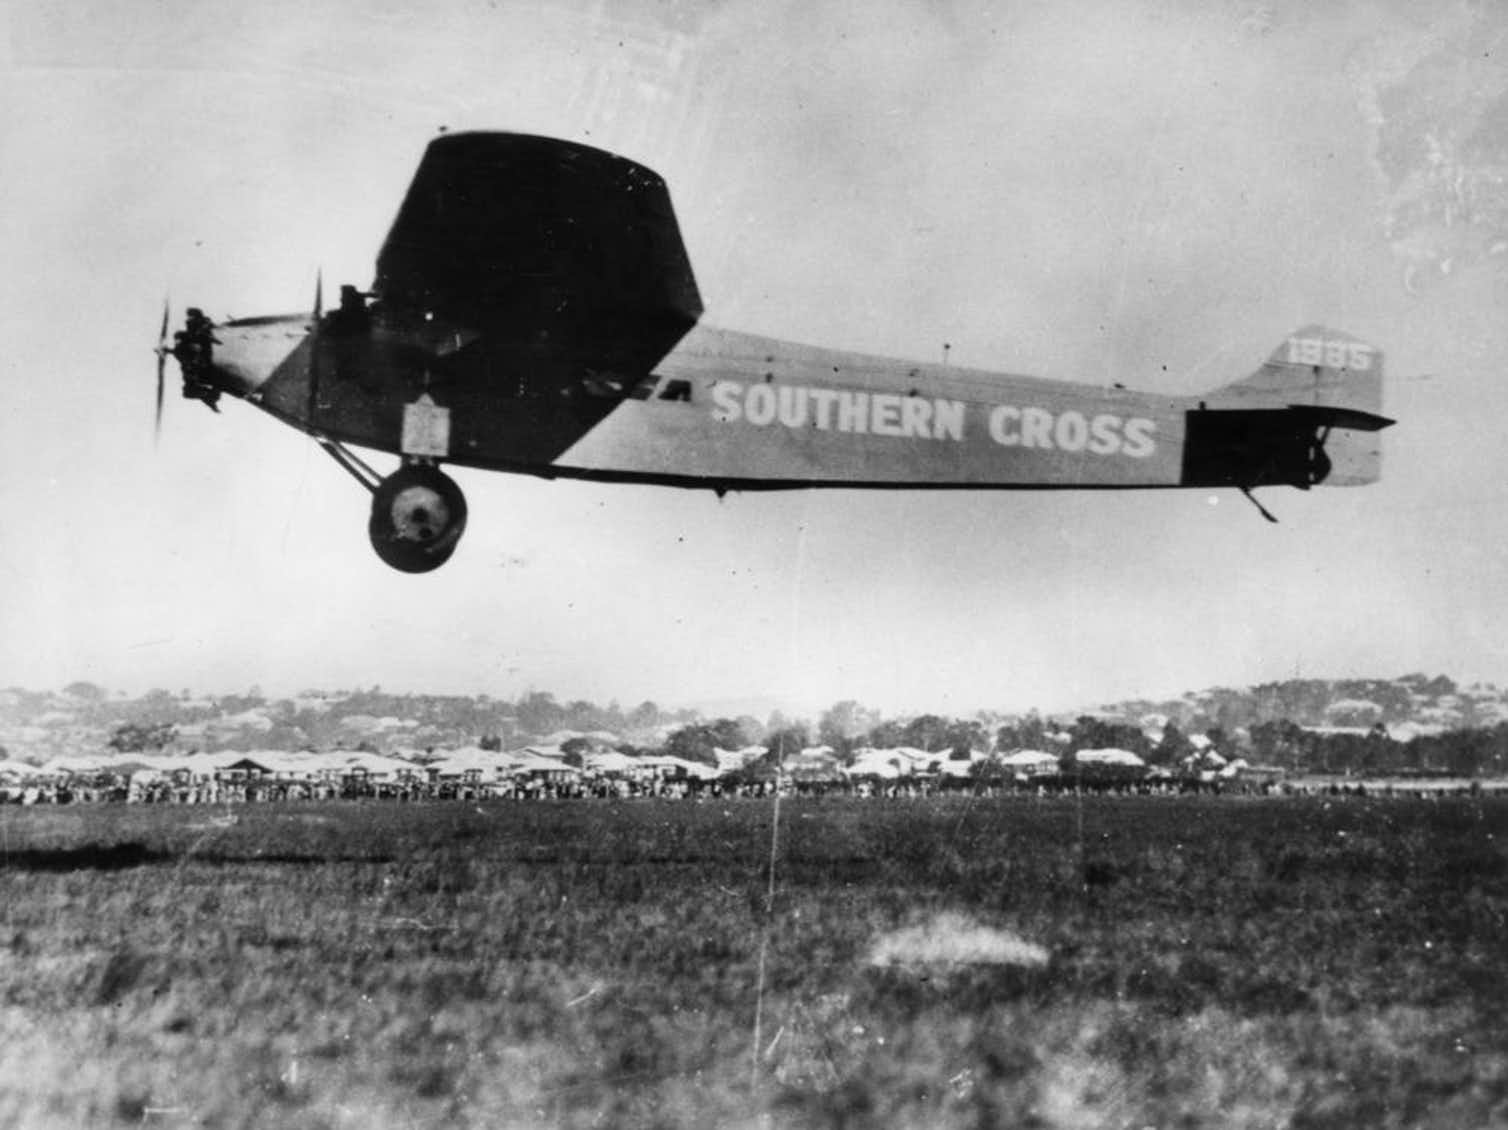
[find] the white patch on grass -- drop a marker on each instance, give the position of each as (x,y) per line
(952,939)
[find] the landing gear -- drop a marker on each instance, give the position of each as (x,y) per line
(418,516)
(418,512)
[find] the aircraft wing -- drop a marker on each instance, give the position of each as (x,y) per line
(541,244)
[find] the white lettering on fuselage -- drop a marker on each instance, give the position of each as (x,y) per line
(835,410)
(1103,434)
(917,417)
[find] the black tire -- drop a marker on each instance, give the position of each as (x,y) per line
(418,516)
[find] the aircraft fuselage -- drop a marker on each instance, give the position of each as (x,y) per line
(723,410)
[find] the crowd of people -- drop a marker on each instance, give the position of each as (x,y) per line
(239,788)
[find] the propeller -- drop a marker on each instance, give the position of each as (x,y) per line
(162,356)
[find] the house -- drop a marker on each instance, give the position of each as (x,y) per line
(665,767)
(1025,764)
(729,760)
(884,763)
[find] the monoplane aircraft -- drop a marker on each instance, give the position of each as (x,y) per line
(534,311)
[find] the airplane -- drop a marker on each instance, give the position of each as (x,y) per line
(534,311)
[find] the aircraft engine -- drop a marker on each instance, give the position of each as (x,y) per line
(418,516)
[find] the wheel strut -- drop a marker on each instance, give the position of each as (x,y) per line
(351,462)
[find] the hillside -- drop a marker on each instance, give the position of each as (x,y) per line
(82,717)
(35,725)
(1408,706)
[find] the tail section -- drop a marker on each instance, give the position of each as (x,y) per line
(1315,367)
(1310,414)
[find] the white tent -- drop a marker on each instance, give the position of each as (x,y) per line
(887,763)
(376,765)
(610,762)
(1108,757)
(731,759)
(488,764)
(528,761)
(663,765)
(1028,759)
(1030,763)
(918,758)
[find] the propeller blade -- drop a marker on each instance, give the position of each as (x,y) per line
(162,356)
(157,419)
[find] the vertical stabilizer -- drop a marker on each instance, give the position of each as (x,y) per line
(1320,368)
(1316,367)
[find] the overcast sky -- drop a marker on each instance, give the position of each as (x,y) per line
(1155,194)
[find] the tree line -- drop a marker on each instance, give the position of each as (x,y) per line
(1468,751)
(1232,724)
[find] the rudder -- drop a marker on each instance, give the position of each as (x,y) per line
(1331,384)
(1314,366)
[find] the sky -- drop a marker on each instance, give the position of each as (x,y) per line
(1149,193)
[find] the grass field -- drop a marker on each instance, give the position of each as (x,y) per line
(948,963)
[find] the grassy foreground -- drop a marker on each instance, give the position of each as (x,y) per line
(948,963)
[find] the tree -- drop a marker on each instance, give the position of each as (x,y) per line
(1220,741)
(574,751)
(539,713)
(1438,687)
(988,770)
(1467,751)
(887,735)
(1029,732)
(1090,732)
(583,715)
(139,737)
(1171,748)
(1379,751)
(843,723)
(698,741)
(785,743)
(157,701)
(751,730)
(645,716)
(964,737)
(928,732)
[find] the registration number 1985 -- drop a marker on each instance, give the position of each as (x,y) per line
(1331,354)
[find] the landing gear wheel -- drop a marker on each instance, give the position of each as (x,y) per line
(418,516)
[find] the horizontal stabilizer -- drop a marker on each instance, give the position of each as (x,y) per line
(1330,417)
